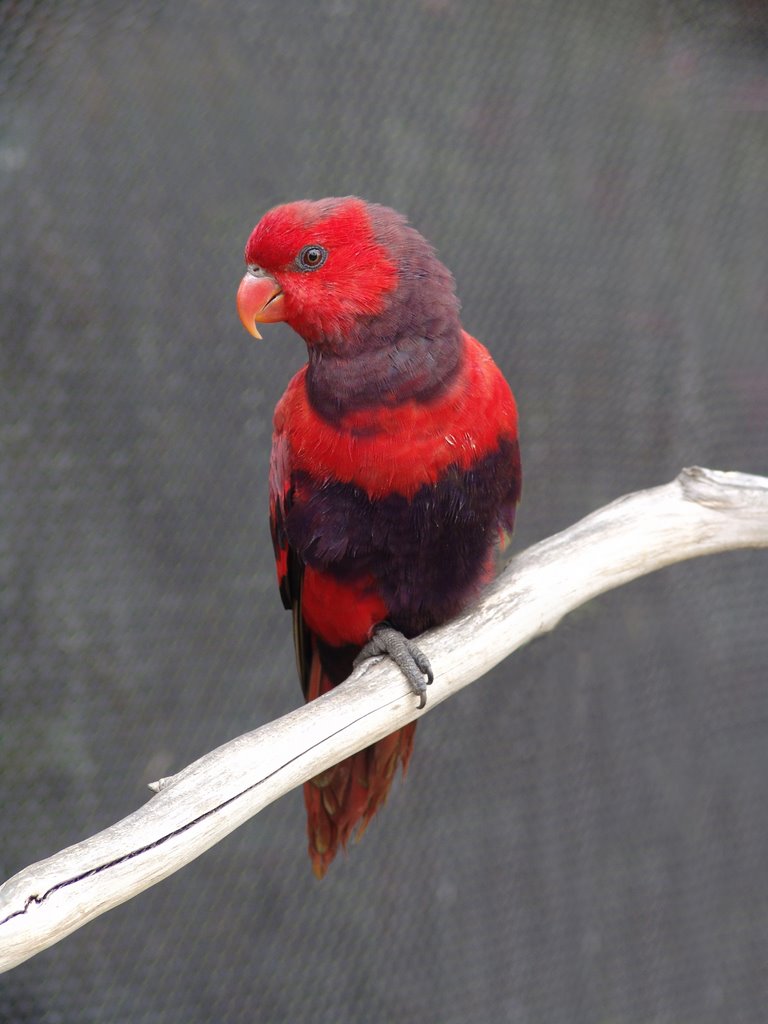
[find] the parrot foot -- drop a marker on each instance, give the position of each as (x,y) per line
(406,655)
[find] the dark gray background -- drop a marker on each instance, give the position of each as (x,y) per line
(583,837)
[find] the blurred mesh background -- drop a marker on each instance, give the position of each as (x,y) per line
(583,837)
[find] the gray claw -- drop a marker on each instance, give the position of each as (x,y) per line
(409,658)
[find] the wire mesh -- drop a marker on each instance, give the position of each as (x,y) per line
(583,837)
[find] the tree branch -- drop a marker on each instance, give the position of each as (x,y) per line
(699,513)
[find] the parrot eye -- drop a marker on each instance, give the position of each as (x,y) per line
(311,257)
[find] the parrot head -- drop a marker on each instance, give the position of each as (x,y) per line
(337,270)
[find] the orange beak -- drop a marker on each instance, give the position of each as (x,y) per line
(259,301)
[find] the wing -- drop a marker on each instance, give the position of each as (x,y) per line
(510,503)
(290,568)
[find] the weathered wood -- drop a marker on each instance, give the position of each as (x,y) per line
(699,513)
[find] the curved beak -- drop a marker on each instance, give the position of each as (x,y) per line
(259,301)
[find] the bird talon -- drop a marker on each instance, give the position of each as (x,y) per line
(411,661)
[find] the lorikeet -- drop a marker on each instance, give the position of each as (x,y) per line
(395,466)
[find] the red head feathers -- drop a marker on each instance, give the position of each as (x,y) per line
(344,274)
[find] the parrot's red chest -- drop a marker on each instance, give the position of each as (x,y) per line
(398,449)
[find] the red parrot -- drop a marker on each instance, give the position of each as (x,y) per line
(395,466)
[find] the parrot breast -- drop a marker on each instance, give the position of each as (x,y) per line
(427,553)
(397,448)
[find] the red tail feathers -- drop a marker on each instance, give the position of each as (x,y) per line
(345,797)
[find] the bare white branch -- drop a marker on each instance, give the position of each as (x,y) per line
(699,513)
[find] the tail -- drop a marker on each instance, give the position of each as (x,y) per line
(344,798)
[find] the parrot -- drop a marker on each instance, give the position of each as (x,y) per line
(395,468)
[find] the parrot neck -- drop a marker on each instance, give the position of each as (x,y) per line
(411,368)
(410,350)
